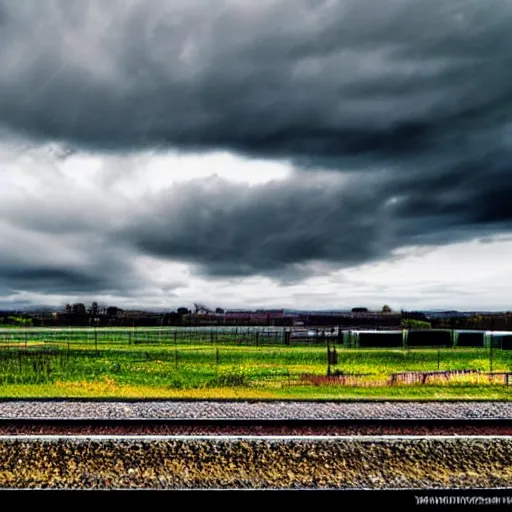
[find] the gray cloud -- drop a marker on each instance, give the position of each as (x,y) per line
(230,229)
(36,261)
(279,229)
(284,78)
(410,99)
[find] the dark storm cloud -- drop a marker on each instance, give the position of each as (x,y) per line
(53,280)
(280,228)
(276,229)
(286,78)
(413,98)
(84,270)
(55,251)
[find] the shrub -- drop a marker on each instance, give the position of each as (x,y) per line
(231,378)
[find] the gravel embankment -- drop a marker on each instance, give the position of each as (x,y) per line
(257,410)
(255,462)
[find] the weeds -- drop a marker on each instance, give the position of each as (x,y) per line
(231,378)
(189,368)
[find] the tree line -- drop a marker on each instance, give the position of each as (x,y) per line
(79,314)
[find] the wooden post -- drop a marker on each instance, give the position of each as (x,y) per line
(340,336)
(328,359)
(491,353)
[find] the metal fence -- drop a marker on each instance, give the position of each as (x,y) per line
(410,338)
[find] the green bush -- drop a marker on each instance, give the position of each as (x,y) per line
(415,324)
(231,378)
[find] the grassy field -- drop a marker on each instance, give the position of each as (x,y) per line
(227,370)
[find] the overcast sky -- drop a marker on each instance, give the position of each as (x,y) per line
(308,154)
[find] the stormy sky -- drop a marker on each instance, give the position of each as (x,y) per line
(309,154)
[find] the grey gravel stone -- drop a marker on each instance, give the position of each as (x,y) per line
(256,410)
(377,463)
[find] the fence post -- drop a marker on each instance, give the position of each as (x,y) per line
(491,354)
(328,359)
(176,356)
(341,341)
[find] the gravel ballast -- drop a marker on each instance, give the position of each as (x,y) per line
(237,462)
(254,410)
(282,428)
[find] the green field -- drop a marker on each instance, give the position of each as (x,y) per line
(220,367)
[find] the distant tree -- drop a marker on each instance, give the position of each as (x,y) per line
(19,321)
(414,315)
(174,318)
(94,309)
(386,309)
(112,310)
(359,310)
(415,324)
(78,309)
(67,308)
(182,311)
(201,308)
(219,311)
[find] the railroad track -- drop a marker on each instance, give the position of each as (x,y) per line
(236,453)
(256,427)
